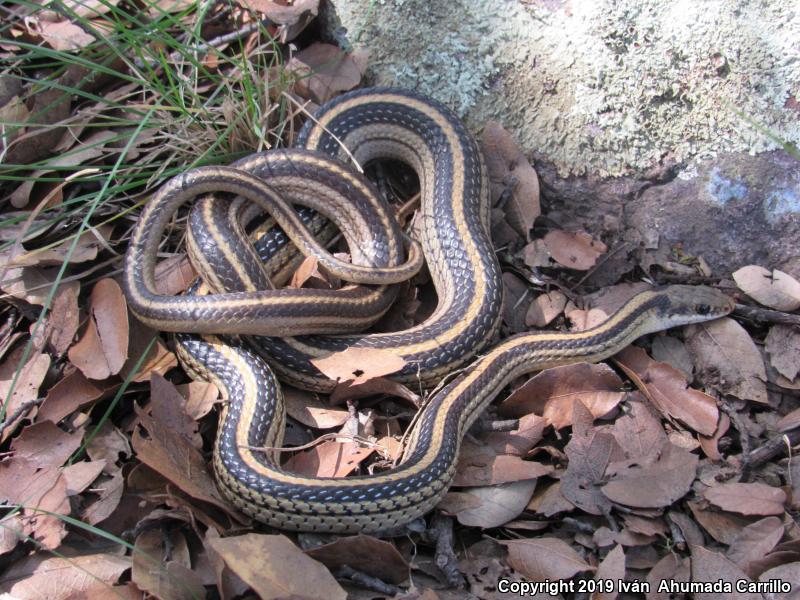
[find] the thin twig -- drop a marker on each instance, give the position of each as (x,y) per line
(445,557)
(368,581)
(21,410)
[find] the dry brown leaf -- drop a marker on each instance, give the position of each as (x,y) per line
(748,498)
(612,568)
(600,305)
(589,452)
(535,254)
(200,398)
(88,245)
(545,558)
(755,541)
(785,572)
(364,553)
(508,167)
(46,445)
(671,350)
(655,485)
(158,360)
(31,284)
(103,349)
(454,502)
(307,408)
(359,364)
(550,501)
(80,475)
(709,444)
(574,250)
(720,525)
(724,352)
(308,273)
(108,444)
(776,290)
(14,114)
(37,489)
(110,490)
(281,13)
(158,567)
(329,459)
(27,386)
(552,393)
(63,321)
(63,35)
(173,456)
(479,465)
(275,568)
(670,568)
(167,407)
(710,566)
(638,432)
(174,275)
(45,577)
(545,308)
(69,394)
(498,503)
(666,388)
(326,70)
(789,421)
(783,346)
(518,441)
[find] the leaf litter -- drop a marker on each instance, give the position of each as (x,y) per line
(651,466)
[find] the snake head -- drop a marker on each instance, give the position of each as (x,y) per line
(685,304)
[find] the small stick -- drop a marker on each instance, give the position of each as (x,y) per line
(445,557)
(368,581)
(767,315)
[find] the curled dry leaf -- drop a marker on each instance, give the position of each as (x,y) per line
(545,308)
(174,275)
(666,388)
(748,498)
(359,364)
(88,245)
(671,350)
(709,444)
(724,352)
(62,321)
(789,421)
(366,554)
(777,289)
(574,250)
(545,558)
(519,441)
(200,398)
(31,284)
(655,485)
(638,432)
(499,504)
(103,349)
(552,393)
(326,70)
(80,475)
(275,568)
(509,169)
(44,577)
(720,525)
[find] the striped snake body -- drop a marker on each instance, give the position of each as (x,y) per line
(454,238)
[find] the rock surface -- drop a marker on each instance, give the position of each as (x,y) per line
(630,107)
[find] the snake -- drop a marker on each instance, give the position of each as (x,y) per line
(454,238)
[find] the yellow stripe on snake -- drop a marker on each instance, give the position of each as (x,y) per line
(364,125)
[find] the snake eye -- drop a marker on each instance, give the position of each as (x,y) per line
(702,309)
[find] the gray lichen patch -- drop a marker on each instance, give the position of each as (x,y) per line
(610,87)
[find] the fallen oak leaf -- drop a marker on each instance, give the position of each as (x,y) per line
(552,392)
(574,250)
(545,558)
(499,504)
(359,364)
(365,553)
(748,498)
(776,290)
(666,388)
(275,568)
(103,349)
